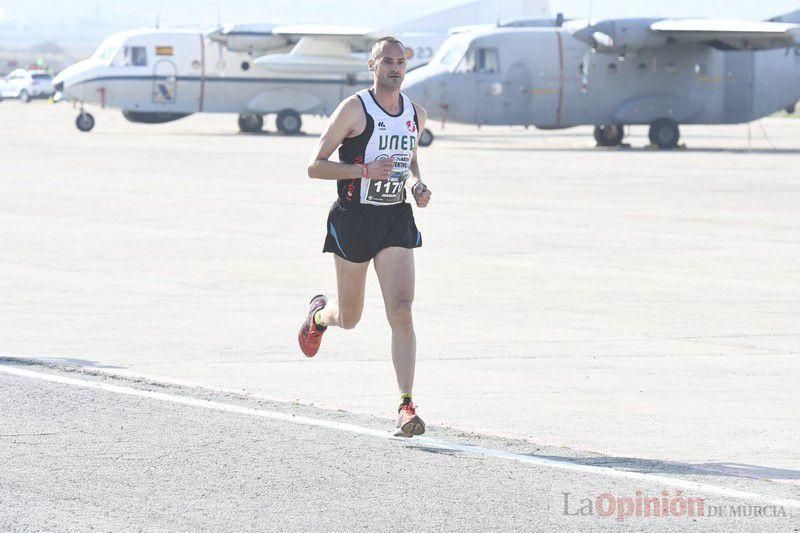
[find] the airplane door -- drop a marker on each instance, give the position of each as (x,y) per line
(738,86)
(547,83)
(178,74)
(488,85)
(165,83)
(489,102)
(517,94)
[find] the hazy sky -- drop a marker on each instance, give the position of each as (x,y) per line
(89,20)
(358,12)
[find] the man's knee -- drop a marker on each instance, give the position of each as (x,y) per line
(399,314)
(348,319)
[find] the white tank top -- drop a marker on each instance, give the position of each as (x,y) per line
(392,136)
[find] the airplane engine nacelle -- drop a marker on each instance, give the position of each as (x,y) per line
(620,36)
(248,43)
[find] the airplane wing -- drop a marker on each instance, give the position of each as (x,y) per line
(322,30)
(730,34)
(637,34)
(320,49)
(249,38)
(264,38)
(328,40)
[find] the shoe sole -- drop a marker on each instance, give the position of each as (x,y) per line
(300,335)
(412,428)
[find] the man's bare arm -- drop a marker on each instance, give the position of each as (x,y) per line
(422,118)
(420,192)
(342,125)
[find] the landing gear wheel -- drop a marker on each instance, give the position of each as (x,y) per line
(84,122)
(251,122)
(664,133)
(426,137)
(24,96)
(609,134)
(289,122)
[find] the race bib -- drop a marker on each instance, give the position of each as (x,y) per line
(391,191)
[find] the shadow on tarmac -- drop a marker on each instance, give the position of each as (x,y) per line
(502,146)
(55,361)
(650,466)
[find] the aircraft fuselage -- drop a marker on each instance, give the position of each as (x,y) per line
(547,78)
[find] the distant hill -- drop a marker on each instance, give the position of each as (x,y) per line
(47,47)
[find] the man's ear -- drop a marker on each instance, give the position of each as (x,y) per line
(371,64)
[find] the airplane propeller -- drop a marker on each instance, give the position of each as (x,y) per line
(587,57)
(220,44)
(585,64)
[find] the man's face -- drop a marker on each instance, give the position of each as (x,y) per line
(389,65)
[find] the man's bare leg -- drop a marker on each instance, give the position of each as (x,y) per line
(395,269)
(345,311)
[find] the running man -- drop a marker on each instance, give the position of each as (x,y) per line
(376,133)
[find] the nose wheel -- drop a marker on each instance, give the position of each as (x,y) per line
(251,122)
(85,122)
(609,134)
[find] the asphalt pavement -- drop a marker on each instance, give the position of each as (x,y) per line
(78,457)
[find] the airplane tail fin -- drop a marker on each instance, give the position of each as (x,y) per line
(476,12)
(793,17)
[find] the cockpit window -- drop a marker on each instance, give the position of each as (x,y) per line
(480,60)
(138,56)
(107,51)
(486,60)
(451,53)
(107,54)
(135,56)
(452,56)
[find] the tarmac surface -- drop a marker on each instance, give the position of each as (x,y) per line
(77,457)
(630,304)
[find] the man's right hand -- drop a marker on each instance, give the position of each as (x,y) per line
(380,169)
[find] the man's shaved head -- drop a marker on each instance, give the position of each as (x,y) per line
(388,63)
(377,48)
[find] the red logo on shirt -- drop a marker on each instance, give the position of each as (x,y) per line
(351,187)
(411,126)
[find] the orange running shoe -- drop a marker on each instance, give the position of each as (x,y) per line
(409,423)
(310,335)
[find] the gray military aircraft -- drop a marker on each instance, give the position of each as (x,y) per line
(657,72)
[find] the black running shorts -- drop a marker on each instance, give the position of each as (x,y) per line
(358,232)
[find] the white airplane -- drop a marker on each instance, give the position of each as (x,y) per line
(161,75)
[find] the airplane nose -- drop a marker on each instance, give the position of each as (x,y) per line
(416,89)
(218,35)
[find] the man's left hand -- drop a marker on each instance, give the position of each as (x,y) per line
(422,194)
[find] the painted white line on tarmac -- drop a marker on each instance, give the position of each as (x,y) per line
(425,442)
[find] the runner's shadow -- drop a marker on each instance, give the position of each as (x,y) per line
(432,449)
(629,150)
(650,466)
